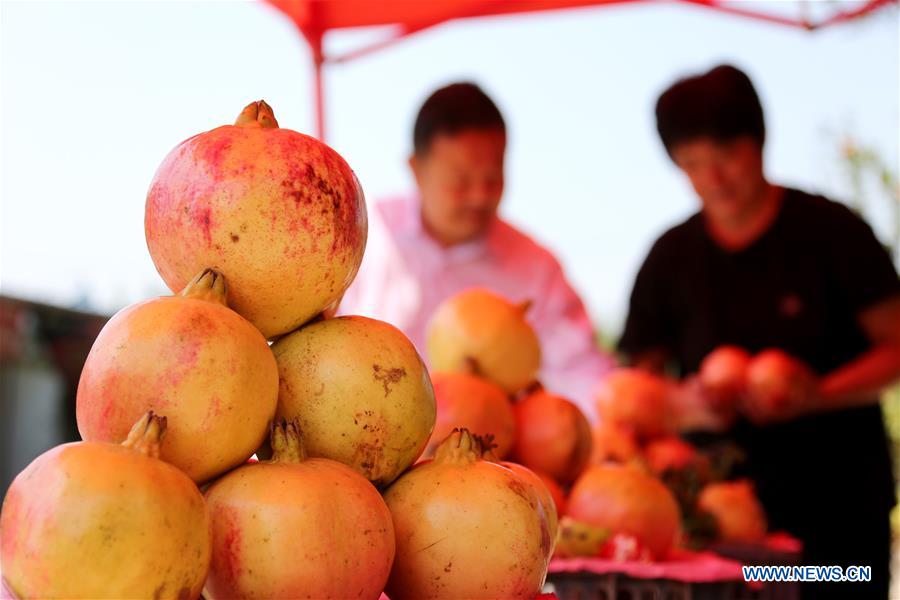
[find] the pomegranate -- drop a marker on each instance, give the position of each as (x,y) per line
(613,443)
(723,375)
(672,453)
(295,527)
(99,520)
(477,329)
(636,399)
(548,491)
(466,528)
(192,358)
(279,213)
(552,435)
(627,501)
(775,379)
(738,514)
(464,400)
(360,392)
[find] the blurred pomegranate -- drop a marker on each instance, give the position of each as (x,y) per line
(737,512)
(627,501)
(775,379)
(636,399)
(723,374)
(481,331)
(613,443)
(464,400)
(552,435)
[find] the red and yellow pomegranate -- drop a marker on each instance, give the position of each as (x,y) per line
(465,400)
(479,331)
(626,501)
(279,213)
(193,359)
(99,520)
(552,435)
(298,527)
(738,513)
(613,443)
(723,375)
(361,394)
(466,528)
(636,399)
(673,453)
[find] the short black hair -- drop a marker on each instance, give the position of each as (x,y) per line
(453,108)
(721,104)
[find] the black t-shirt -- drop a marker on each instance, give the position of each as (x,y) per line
(799,287)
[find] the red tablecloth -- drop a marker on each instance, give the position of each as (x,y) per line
(681,565)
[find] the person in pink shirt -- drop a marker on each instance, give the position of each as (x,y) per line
(449,237)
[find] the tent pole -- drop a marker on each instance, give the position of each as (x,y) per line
(315,44)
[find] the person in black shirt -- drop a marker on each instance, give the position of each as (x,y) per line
(761,266)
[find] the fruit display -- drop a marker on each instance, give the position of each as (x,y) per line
(466,400)
(459,515)
(477,331)
(260,230)
(374,474)
(104,520)
(359,391)
(188,357)
(322,516)
(278,213)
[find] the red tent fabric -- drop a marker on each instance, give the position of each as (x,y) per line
(316,17)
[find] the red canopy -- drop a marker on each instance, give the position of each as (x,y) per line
(315,17)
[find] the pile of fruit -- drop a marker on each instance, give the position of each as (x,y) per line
(626,489)
(375,475)
(647,490)
(260,230)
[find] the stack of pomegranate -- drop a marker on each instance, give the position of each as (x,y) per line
(260,230)
(648,485)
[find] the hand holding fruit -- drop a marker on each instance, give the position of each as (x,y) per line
(779,388)
(695,409)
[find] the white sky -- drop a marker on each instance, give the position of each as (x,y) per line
(95,94)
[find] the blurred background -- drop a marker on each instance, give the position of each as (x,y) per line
(94,94)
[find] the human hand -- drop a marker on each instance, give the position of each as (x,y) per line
(697,408)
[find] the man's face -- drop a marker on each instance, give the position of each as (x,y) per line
(460,180)
(727,175)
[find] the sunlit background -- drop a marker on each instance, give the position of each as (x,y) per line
(95,94)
